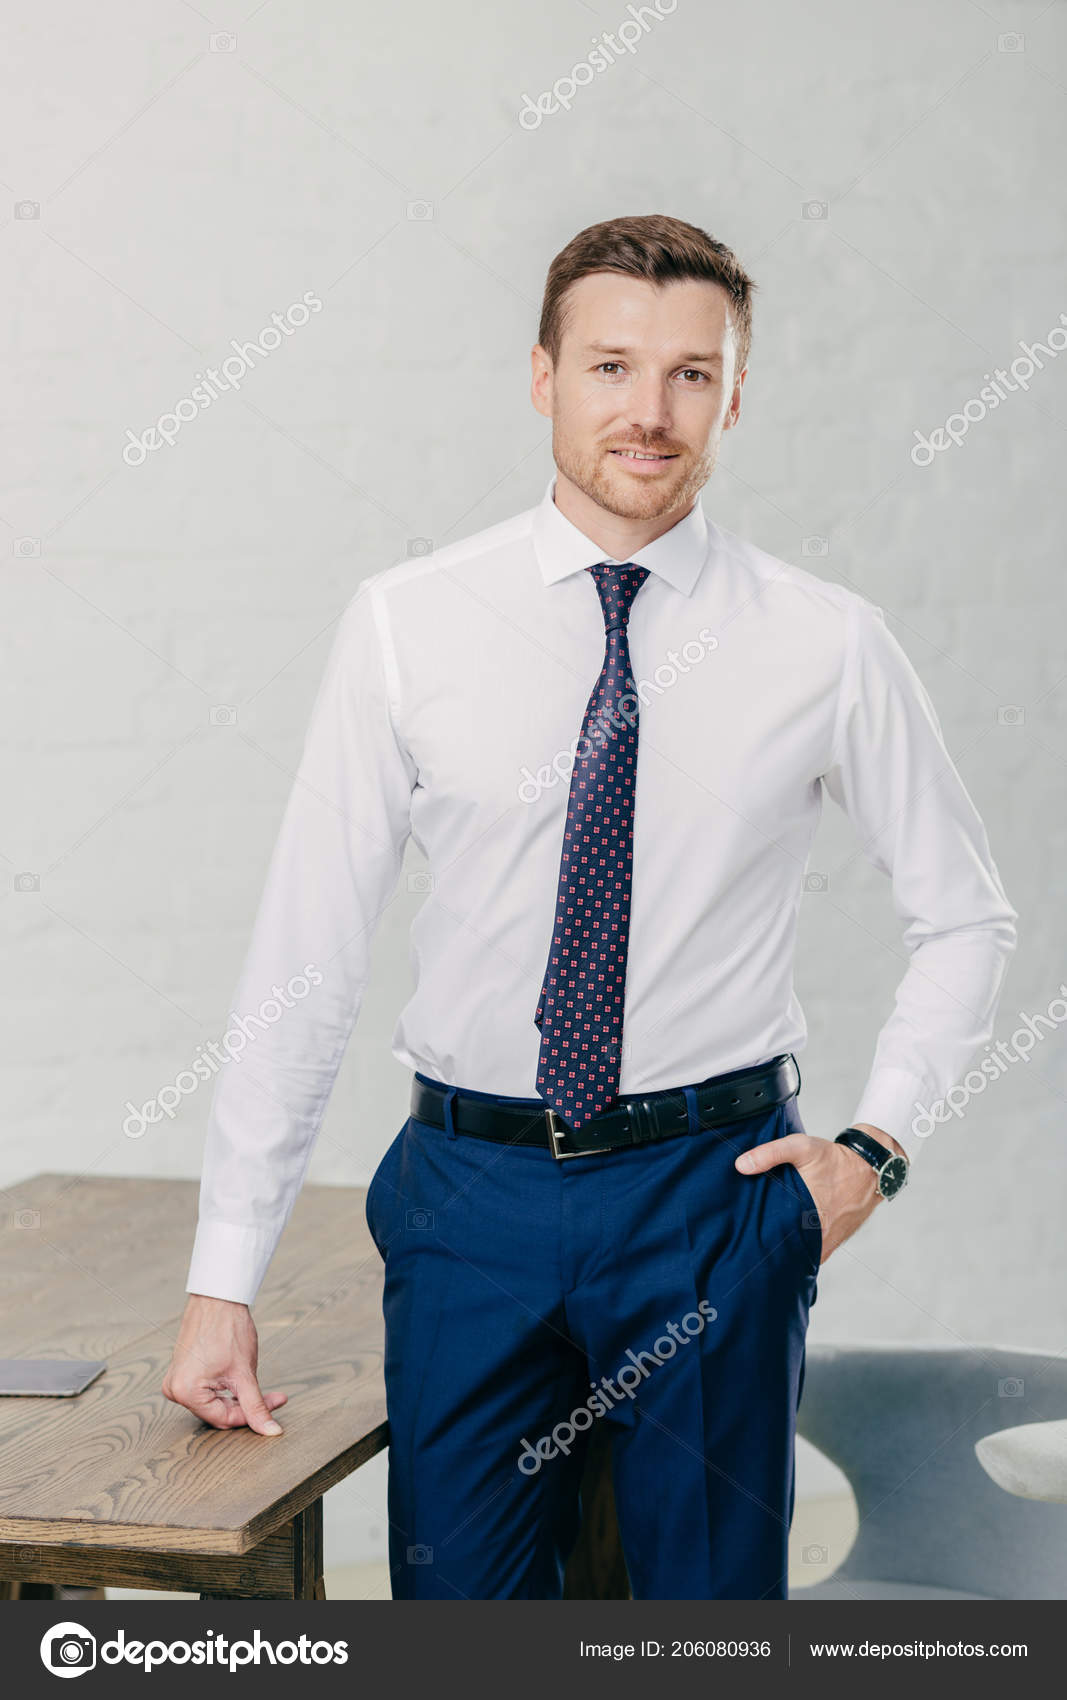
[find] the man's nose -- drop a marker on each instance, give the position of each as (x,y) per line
(648,405)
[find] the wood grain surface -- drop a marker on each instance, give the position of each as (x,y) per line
(96,1268)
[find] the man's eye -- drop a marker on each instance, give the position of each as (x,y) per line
(691,372)
(604,364)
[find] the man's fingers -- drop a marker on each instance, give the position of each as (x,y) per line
(223,1410)
(221,1406)
(789,1149)
(254,1406)
(217,1409)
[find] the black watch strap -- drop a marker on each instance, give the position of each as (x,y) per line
(866,1144)
(878,1156)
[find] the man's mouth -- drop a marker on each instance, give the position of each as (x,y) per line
(640,454)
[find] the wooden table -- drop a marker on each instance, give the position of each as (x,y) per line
(118,1486)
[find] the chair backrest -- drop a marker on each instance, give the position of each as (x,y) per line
(901,1421)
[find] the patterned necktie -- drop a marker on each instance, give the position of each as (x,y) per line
(580,1012)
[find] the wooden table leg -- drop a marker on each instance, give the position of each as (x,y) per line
(308,1584)
(596,1569)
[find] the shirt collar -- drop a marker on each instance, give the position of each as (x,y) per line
(562,549)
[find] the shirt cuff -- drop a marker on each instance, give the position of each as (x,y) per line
(229,1261)
(897,1103)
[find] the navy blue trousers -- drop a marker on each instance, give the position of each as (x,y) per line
(655,1289)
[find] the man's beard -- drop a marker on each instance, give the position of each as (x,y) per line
(592,474)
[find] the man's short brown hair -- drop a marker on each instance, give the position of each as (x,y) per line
(657,248)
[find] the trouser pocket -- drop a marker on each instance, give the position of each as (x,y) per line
(382,1193)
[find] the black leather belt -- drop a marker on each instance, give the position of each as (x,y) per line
(636,1120)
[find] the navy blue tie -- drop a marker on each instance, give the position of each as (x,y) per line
(580,1012)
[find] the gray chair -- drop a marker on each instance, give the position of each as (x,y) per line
(902,1422)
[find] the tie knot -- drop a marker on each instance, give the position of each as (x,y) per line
(617,588)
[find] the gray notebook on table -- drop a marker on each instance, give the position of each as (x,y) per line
(59,1377)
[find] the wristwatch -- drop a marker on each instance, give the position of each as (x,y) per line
(892,1169)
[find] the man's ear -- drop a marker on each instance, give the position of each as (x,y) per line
(733,412)
(541,374)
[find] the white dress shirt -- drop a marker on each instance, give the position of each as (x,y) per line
(449,710)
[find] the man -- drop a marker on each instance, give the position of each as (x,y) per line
(605,1183)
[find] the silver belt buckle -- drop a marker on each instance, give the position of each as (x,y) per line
(557,1132)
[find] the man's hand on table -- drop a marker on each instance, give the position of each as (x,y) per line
(842,1183)
(213,1370)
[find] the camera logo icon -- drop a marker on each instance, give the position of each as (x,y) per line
(68,1649)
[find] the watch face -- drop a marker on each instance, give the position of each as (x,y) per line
(892,1176)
